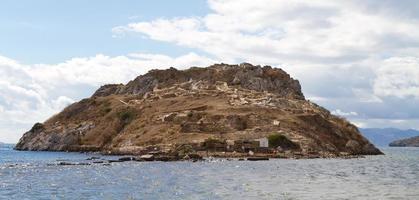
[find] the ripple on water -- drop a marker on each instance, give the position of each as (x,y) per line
(393,176)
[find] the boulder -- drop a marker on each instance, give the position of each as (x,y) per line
(127,158)
(147,157)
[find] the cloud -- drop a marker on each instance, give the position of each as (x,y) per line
(32,93)
(283,31)
(358,58)
(344,114)
(353,55)
(102,69)
(398,76)
(385,123)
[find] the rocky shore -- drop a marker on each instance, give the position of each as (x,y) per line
(97,160)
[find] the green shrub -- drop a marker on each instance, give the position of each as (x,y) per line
(37,127)
(106,110)
(276,140)
(189,114)
(126,116)
(212,142)
(185,149)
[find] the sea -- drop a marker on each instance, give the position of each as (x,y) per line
(37,175)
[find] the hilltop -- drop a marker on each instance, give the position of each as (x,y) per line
(221,109)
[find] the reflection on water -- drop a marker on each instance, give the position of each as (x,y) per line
(29,175)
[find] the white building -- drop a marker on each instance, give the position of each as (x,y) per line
(263,142)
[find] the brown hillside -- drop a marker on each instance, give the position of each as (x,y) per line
(165,109)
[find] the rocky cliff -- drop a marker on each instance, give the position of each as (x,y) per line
(408,142)
(167,109)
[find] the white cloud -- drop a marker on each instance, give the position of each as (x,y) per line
(344,114)
(313,40)
(32,93)
(366,96)
(350,55)
(284,31)
(357,56)
(398,76)
(103,69)
(386,123)
(61,102)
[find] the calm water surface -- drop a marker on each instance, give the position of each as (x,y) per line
(30,175)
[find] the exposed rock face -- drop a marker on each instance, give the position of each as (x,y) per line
(246,76)
(409,142)
(166,109)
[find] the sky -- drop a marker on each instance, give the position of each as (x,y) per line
(357,58)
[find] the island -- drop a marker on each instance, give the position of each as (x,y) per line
(408,142)
(221,110)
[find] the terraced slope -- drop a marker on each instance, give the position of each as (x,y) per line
(165,109)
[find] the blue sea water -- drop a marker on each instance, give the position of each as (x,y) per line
(33,175)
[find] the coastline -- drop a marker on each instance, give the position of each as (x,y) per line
(99,157)
(68,175)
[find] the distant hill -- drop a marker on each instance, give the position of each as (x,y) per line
(384,136)
(409,142)
(6,145)
(2,144)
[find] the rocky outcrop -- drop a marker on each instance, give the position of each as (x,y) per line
(409,142)
(245,75)
(107,90)
(168,110)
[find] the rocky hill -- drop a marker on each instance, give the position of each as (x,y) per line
(408,142)
(224,109)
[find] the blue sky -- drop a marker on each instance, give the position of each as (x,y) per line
(48,31)
(357,58)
